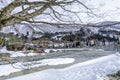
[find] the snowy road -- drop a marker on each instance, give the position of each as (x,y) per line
(78,55)
(95,69)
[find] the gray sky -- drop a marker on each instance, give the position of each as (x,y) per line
(107,10)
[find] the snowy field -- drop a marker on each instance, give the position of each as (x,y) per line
(95,69)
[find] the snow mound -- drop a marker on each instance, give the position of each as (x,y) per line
(3,50)
(8,69)
(57,61)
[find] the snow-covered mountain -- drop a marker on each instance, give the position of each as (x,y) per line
(57,28)
(44,28)
(109,25)
(110,28)
(106,27)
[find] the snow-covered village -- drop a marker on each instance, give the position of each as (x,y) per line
(59,40)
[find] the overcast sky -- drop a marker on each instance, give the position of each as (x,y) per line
(107,10)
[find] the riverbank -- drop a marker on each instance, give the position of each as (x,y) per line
(78,55)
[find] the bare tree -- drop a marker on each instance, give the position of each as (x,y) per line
(58,11)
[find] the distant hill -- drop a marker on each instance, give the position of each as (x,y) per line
(44,28)
(109,27)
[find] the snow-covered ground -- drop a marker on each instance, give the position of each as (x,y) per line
(16,53)
(11,68)
(7,69)
(30,53)
(95,69)
(73,49)
(44,62)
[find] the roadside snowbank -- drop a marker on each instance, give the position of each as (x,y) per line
(16,53)
(57,61)
(44,62)
(7,69)
(95,69)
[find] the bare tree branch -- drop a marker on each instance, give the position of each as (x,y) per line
(36,8)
